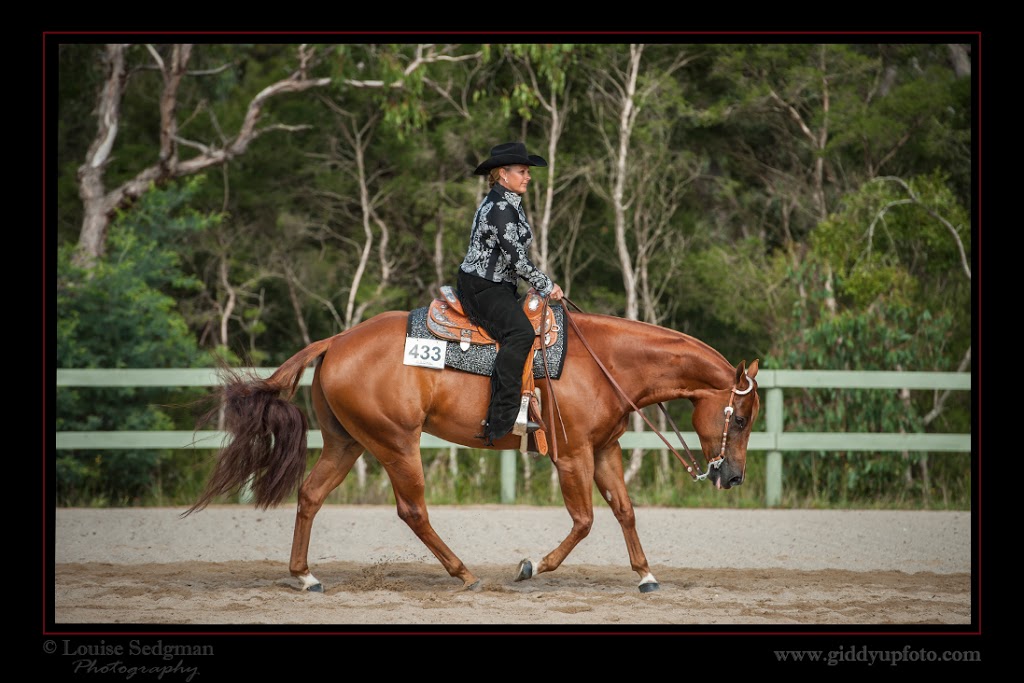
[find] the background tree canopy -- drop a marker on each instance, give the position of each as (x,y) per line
(806,204)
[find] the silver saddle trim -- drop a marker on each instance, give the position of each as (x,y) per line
(449,294)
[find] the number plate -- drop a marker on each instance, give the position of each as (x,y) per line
(426,353)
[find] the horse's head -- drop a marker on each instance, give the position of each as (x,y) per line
(722,419)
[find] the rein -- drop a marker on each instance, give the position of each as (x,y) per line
(714,462)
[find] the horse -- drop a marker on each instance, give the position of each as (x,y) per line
(366,399)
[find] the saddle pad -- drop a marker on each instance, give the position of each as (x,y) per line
(479,359)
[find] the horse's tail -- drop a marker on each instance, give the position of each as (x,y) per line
(267,451)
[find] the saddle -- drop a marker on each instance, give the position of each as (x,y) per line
(446,319)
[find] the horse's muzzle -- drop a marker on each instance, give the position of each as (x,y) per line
(725,478)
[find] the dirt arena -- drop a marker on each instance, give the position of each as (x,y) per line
(228,565)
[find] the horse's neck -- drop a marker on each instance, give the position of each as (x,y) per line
(654,364)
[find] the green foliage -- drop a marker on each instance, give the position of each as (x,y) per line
(120,314)
(893,241)
(881,252)
(889,335)
(741,288)
(549,65)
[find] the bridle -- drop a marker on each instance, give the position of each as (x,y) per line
(693,468)
(729,410)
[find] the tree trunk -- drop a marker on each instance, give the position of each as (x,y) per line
(293,297)
(961,60)
(441,273)
(527,473)
(627,116)
(229,306)
(96,203)
(543,243)
(100,203)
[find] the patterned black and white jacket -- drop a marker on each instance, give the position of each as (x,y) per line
(499,242)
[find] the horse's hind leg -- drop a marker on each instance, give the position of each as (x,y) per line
(405,469)
(340,452)
(330,470)
(612,486)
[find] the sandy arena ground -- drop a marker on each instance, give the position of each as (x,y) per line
(228,565)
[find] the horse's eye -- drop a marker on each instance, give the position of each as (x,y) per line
(740,421)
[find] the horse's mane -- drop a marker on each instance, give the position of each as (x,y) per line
(690,339)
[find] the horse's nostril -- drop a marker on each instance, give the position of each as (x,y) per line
(736,481)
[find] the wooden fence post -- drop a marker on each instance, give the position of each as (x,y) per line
(773,462)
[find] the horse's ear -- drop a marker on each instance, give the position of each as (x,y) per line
(741,370)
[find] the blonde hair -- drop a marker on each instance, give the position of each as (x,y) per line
(494,176)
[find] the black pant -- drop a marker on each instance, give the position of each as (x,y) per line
(495,307)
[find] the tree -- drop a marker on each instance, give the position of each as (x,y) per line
(118,313)
(314,226)
(896,249)
(171,62)
(542,95)
(791,130)
(643,183)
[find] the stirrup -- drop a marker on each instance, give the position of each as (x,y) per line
(521,427)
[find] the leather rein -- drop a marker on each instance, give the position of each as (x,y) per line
(693,468)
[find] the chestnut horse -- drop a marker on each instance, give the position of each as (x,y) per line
(366,399)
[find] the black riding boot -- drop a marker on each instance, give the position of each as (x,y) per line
(507,378)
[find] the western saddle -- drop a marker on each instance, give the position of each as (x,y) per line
(447,320)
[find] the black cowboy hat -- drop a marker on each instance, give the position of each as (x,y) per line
(509,153)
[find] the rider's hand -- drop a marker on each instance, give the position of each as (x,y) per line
(556,293)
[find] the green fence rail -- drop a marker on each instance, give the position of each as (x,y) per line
(773,440)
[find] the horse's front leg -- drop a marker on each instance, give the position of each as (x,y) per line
(612,485)
(330,470)
(575,474)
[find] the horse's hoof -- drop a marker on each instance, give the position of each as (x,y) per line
(474,587)
(649,587)
(309,582)
(525,570)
